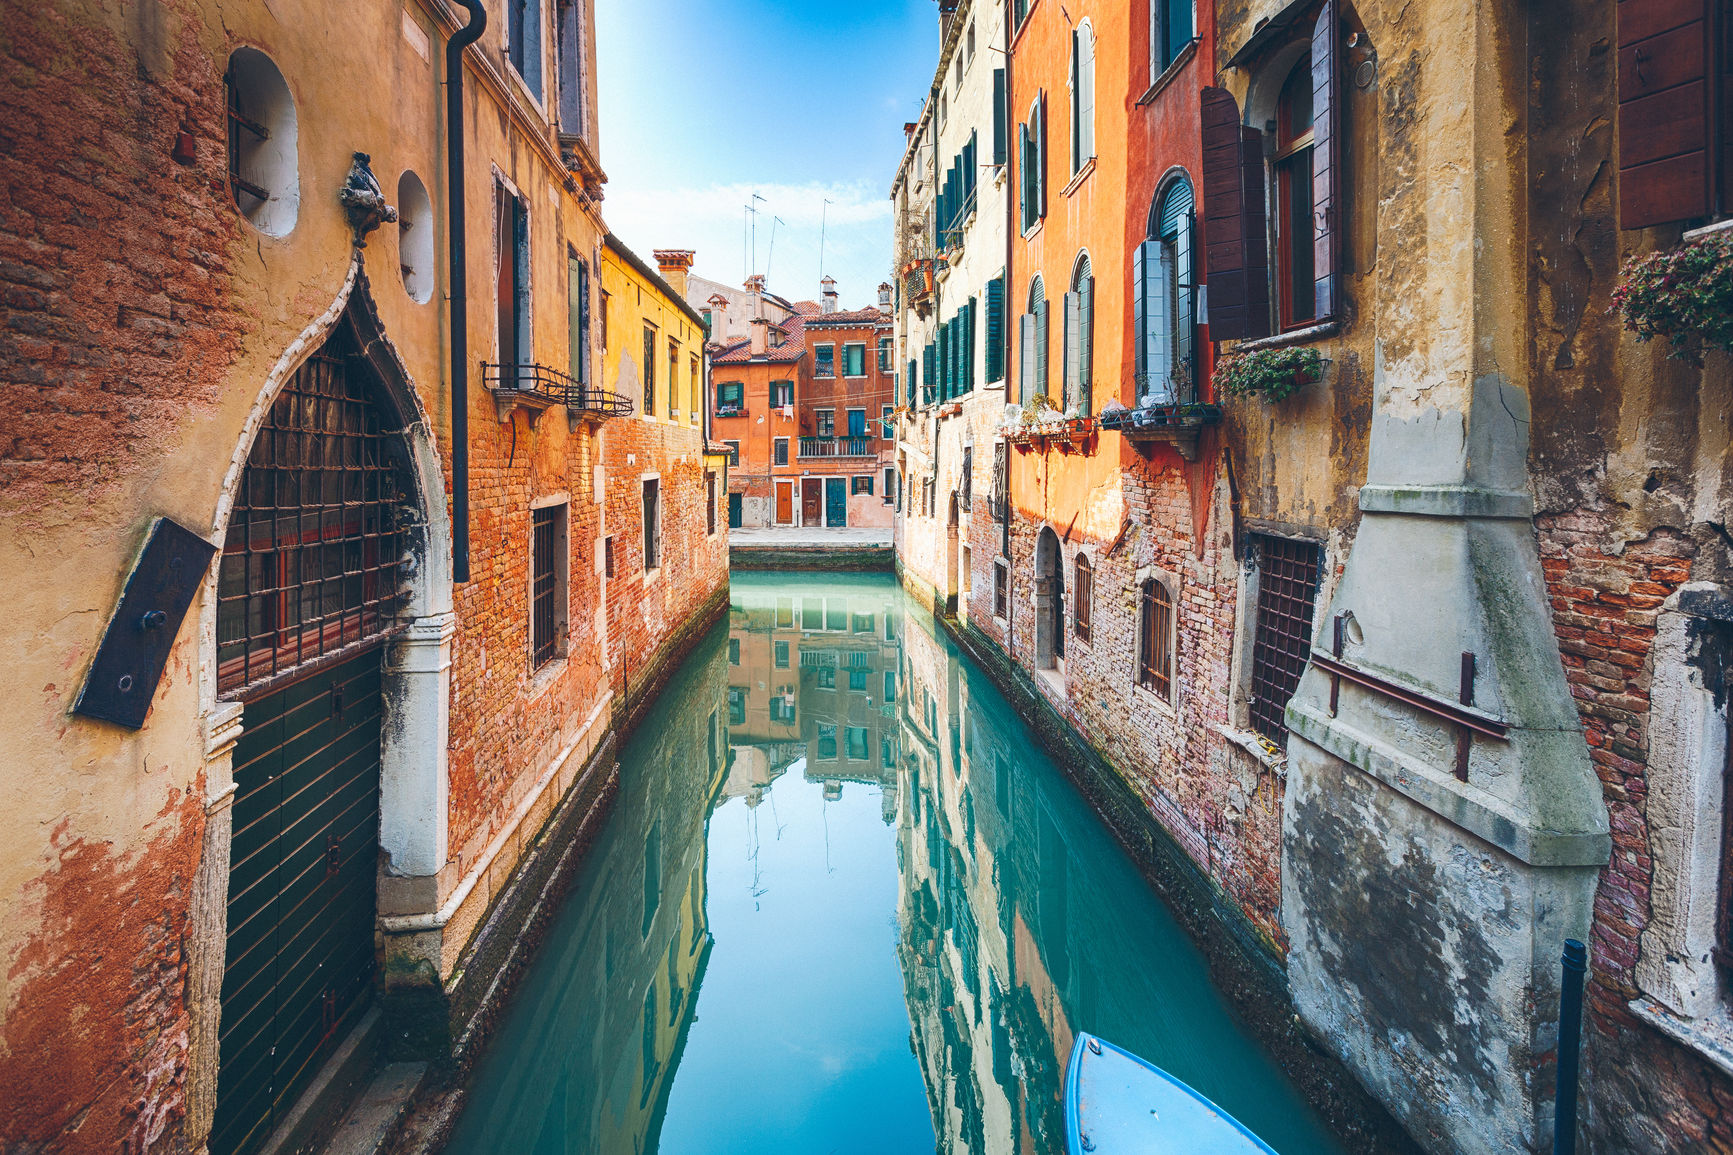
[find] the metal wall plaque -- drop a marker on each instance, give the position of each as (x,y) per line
(122,680)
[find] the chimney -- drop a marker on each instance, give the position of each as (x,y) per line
(675,264)
(885,295)
(760,336)
(718,317)
(909,127)
(828,284)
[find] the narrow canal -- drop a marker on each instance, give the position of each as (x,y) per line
(844,904)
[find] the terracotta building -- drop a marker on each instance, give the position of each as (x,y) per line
(341,540)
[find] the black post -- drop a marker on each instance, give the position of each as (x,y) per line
(459,287)
(1570,1030)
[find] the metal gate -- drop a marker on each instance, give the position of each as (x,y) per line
(302,880)
(308,591)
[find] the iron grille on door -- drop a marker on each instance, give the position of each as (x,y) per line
(314,548)
(1287,589)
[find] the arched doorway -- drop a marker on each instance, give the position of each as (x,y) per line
(1049,601)
(312,583)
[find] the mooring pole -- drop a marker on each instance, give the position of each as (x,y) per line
(1570,1030)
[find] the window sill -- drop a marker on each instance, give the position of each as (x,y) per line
(1292,337)
(1154,701)
(1033,230)
(1710,1036)
(1707,230)
(1160,84)
(1082,175)
(545,676)
(1248,741)
(652,576)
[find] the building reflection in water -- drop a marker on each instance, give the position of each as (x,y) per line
(951,933)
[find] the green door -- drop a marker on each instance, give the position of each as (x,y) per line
(836,501)
(302,883)
(734,512)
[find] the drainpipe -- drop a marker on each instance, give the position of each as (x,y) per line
(454,48)
(1006,330)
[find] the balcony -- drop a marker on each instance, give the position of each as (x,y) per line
(537,388)
(820,447)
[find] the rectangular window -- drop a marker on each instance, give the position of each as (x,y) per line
(781,451)
(785,613)
(604,311)
(512,250)
(826,422)
(1155,640)
(890,685)
(857,423)
(1287,575)
(857,743)
(737,705)
(827,740)
(547,569)
(709,501)
(886,351)
(730,397)
(857,679)
(824,360)
(887,423)
(863,624)
(1001,597)
(827,677)
(733,651)
(652,523)
(854,359)
(890,485)
(608,556)
(733,452)
(782,655)
(673,376)
(781,394)
(696,391)
(524,42)
(649,370)
(861,483)
(1083,588)
(578,318)
(836,615)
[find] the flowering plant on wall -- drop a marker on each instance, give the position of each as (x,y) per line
(1275,373)
(1683,294)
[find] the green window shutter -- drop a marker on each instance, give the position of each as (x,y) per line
(1041,157)
(1025,199)
(1041,346)
(999,115)
(974,307)
(1086,349)
(996,329)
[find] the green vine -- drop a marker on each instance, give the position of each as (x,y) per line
(1683,294)
(1274,373)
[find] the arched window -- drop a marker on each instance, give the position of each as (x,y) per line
(1083,595)
(1079,338)
(1032,343)
(264,176)
(1164,294)
(1293,199)
(1082,95)
(1155,640)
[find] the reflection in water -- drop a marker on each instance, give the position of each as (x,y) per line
(912,914)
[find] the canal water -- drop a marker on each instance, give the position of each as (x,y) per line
(845,904)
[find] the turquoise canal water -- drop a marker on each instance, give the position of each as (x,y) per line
(844,904)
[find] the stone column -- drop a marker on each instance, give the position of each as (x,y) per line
(414,762)
(207,947)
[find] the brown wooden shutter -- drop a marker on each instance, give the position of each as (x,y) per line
(1326,163)
(1236,250)
(1664,169)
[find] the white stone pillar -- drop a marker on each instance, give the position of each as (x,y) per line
(414,788)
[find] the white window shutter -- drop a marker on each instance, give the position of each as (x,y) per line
(1025,356)
(1158,335)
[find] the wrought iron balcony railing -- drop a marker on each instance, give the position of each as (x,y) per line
(837,447)
(539,386)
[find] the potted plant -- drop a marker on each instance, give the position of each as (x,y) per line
(1078,423)
(1683,294)
(1274,373)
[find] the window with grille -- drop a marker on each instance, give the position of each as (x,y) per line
(1001,580)
(709,502)
(311,563)
(1155,639)
(544,583)
(1287,587)
(649,371)
(652,523)
(779,450)
(1083,592)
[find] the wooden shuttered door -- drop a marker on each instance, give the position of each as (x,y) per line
(1326,162)
(996,329)
(1666,168)
(1236,247)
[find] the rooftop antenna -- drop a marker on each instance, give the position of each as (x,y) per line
(754,207)
(774,221)
(822,210)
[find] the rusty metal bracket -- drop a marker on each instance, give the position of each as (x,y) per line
(129,663)
(1471,720)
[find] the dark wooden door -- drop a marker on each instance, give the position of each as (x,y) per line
(784,503)
(302,884)
(811,501)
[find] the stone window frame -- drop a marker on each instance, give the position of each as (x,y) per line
(651,533)
(1680,988)
(562,583)
(1083,600)
(1239,712)
(1001,590)
(1137,693)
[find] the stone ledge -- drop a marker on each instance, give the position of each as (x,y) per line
(1446,501)
(1711,1037)
(1459,803)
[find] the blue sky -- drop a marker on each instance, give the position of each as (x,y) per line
(704,102)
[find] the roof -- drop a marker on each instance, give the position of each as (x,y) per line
(789,350)
(853,318)
(808,308)
(655,278)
